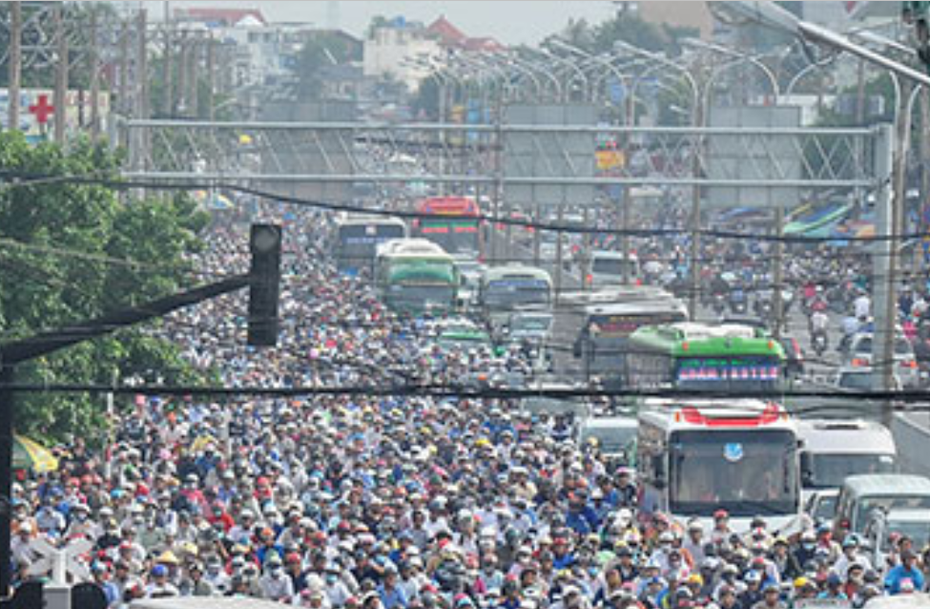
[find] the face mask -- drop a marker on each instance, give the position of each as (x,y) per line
(330,578)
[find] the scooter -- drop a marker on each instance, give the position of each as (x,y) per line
(738,301)
(819,343)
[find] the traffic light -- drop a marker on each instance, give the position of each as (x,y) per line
(264,287)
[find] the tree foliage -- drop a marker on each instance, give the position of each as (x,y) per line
(71,252)
(320,51)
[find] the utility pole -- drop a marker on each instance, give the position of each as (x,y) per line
(627,196)
(15,66)
(883,255)
(195,75)
(124,107)
(181,107)
(924,152)
(168,102)
(61,74)
(778,276)
(696,212)
(860,93)
(138,146)
(211,76)
(92,59)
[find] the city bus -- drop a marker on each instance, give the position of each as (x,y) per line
(504,289)
(452,222)
(727,357)
(606,329)
(357,237)
(416,276)
(697,456)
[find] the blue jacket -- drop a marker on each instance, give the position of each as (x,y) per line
(899,574)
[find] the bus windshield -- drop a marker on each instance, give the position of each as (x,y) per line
(612,266)
(746,473)
(749,373)
(455,235)
(506,293)
(363,240)
(829,470)
(420,296)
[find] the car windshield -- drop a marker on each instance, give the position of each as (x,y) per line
(856,380)
(825,509)
(829,471)
(537,324)
(918,531)
(611,440)
(901,346)
(868,504)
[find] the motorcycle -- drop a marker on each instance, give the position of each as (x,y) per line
(738,302)
(819,343)
(719,304)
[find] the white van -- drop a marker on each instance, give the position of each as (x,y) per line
(606,268)
(833,449)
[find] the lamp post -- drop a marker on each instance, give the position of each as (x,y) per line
(697,120)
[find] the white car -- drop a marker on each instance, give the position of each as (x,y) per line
(859,355)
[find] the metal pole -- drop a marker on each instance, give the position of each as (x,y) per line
(61,74)
(196,49)
(778,276)
(168,102)
(558,251)
(627,194)
(885,159)
(696,213)
(886,324)
(211,77)
(93,60)
(499,177)
(124,107)
(15,66)
(181,109)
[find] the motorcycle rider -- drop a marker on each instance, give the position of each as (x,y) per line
(819,321)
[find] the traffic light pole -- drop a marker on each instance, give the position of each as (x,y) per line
(16,352)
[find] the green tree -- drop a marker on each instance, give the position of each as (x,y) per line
(322,50)
(70,252)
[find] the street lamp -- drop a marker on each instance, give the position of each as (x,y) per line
(775,17)
(741,57)
(572,66)
(697,121)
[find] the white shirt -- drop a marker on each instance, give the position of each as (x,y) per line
(862,306)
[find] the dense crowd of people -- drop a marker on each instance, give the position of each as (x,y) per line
(407,502)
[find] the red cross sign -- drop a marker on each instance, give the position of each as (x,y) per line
(42,109)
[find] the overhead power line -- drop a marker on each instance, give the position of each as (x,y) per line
(527,223)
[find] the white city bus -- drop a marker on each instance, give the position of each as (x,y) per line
(698,456)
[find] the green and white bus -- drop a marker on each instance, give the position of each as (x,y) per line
(509,288)
(416,276)
(697,356)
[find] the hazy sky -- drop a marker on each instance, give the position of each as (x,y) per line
(510,21)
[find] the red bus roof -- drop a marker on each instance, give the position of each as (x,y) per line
(449,206)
